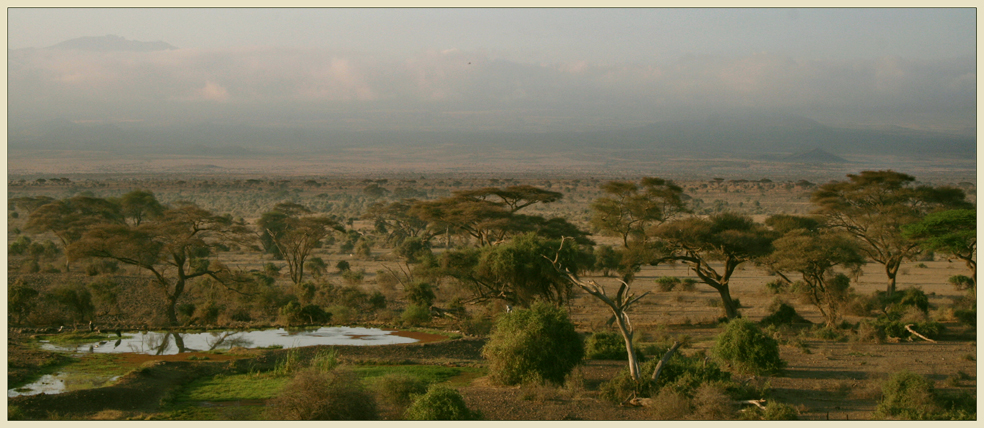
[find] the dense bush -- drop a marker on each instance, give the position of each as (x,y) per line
(21,300)
(415,315)
(777,286)
(893,324)
(100,266)
(420,294)
(961,282)
(530,345)
(906,395)
(606,346)
(748,349)
(413,249)
(315,395)
(317,266)
(774,411)
(783,315)
(667,283)
(397,390)
(75,299)
(683,374)
(902,299)
(966,316)
(441,403)
(105,295)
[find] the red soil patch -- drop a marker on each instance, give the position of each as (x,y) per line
(187,356)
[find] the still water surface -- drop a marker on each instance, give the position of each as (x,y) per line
(169,343)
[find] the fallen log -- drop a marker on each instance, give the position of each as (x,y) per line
(909,328)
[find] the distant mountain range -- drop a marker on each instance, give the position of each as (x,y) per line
(785,138)
(110,43)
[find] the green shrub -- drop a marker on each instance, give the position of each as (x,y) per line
(893,324)
(966,316)
(906,395)
(398,389)
(420,294)
(961,282)
(681,373)
(440,403)
(777,286)
(415,315)
(902,299)
(19,246)
(688,284)
(748,349)
(75,298)
(341,314)
(783,315)
(377,300)
(343,266)
(271,269)
(313,314)
(353,277)
(316,395)
(774,411)
(21,300)
(667,283)
(533,344)
(671,405)
(826,332)
(606,346)
(105,293)
(100,266)
(317,266)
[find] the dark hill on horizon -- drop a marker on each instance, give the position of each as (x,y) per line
(741,137)
(111,43)
(815,156)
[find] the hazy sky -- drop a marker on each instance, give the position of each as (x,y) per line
(500,69)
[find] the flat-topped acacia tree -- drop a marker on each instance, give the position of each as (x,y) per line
(175,247)
(629,211)
(952,232)
(296,232)
(874,206)
(730,238)
(69,218)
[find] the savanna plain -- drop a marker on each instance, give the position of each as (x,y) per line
(749,299)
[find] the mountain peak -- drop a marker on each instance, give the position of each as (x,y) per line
(111,43)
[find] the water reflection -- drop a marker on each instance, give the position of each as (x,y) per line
(169,343)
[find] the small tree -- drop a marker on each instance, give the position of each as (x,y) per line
(296,234)
(175,248)
(619,306)
(952,232)
(814,255)
(533,345)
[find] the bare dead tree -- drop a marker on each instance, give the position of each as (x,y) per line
(619,305)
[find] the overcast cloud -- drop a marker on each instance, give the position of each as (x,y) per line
(500,69)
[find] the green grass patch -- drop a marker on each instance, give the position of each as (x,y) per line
(234,387)
(455,376)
